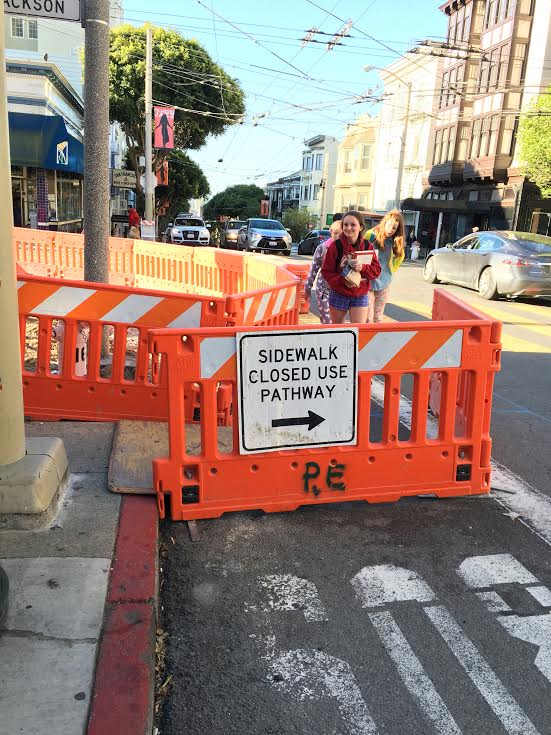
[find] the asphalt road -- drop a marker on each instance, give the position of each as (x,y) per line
(420,617)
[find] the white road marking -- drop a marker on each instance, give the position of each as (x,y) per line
(533,506)
(413,675)
(535,629)
(287,592)
(309,674)
(490,569)
(493,602)
(541,594)
(483,571)
(505,707)
(377,585)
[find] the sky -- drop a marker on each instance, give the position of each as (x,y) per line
(293,90)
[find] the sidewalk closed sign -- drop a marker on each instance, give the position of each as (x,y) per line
(297,389)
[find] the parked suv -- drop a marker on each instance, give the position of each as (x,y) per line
(187,230)
(264,236)
(228,234)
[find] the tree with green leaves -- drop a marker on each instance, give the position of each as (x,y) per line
(534,138)
(298,222)
(241,201)
(207,99)
(186,181)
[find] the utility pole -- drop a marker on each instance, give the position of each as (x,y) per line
(12,430)
(96,141)
(397,195)
(149,189)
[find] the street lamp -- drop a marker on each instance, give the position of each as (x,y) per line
(397,198)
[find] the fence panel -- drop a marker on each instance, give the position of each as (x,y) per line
(205,475)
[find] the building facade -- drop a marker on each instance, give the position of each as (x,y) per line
(283,194)
(45,79)
(317,177)
(356,166)
(45,116)
(501,59)
(405,127)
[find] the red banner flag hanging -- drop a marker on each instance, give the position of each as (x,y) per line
(164,127)
(162,174)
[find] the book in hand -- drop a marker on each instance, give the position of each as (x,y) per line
(365,258)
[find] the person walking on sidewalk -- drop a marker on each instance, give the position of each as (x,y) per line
(134,222)
(348,277)
(322,289)
(388,240)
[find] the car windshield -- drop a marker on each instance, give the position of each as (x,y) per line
(325,233)
(188,222)
(267,224)
(530,241)
(235,225)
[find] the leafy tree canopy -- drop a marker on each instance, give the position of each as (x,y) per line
(534,137)
(298,221)
(184,76)
(186,181)
(241,201)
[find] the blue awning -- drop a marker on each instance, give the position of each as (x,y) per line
(42,141)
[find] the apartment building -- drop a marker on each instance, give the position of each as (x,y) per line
(404,133)
(356,166)
(317,177)
(497,59)
(283,194)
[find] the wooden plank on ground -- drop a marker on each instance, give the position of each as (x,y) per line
(135,445)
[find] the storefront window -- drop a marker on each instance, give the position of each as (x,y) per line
(69,198)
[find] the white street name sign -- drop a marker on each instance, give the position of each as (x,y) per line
(59,9)
(297,389)
(123,179)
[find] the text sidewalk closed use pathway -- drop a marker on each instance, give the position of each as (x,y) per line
(297,389)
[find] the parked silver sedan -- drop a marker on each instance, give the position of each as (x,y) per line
(495,263)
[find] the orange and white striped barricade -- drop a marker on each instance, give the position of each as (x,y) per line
(276,304)
(129,384)
(296,460)
(300,270)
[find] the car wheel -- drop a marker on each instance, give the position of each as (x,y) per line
(429,271)
(487,286)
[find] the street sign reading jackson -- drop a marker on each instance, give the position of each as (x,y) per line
(59,9)
(297,389)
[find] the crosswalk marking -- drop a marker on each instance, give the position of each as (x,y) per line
(412,674)
(503,704)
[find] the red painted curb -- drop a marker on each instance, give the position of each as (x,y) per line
(123,692)
(134,567)
(123,696)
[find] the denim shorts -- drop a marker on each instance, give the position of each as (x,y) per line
(338,301)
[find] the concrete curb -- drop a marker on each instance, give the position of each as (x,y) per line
(124,685)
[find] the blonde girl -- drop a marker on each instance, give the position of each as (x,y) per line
(388,240)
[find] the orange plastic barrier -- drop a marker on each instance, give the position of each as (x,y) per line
(60,382)
(207,480)
(61,255)
(129,383)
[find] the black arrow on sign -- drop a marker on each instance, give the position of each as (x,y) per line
(312,420)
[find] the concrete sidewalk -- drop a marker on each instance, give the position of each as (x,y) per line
(77,650)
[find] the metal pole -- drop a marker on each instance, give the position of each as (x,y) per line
(397,196)
(12,429)
(148,129)
(96,141)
